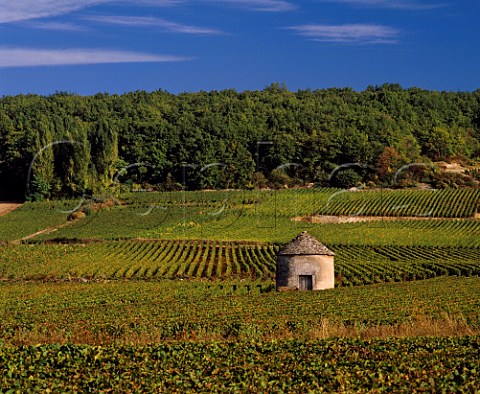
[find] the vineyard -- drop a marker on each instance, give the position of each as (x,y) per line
(337,365)
(445,203)
(32,217)
(119,225)
(216,260)
(175,292)
(144,312)
(450,217)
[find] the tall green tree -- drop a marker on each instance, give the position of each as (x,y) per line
(42,165)
(104,152)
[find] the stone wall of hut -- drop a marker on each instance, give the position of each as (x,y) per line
(290,267)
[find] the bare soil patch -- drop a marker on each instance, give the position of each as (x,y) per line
(7,207)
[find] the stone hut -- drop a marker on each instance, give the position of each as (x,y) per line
(305,264)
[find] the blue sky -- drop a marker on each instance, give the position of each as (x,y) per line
(116,46)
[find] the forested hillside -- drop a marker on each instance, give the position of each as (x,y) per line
(66,145)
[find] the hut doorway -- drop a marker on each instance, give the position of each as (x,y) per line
(305,282)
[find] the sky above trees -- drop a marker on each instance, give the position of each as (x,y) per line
(115,46)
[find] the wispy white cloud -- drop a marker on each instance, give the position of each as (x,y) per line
(21,10)
(350,33)
(393,4)
(260,5)
(134,21)
(155,3)
(29,57)
(54,26)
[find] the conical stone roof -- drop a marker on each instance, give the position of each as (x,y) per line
(305,244)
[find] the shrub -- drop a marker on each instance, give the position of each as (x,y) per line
(347,178)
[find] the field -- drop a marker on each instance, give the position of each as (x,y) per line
(220,260)
(339,365)
(178,288)
(143,312)
(194,336)
(394,217)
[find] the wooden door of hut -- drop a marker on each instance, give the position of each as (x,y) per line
(305,282)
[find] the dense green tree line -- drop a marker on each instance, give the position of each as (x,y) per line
(66,144)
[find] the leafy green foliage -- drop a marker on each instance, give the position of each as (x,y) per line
(338,365)
(315,130)
(346,179)
(40,189)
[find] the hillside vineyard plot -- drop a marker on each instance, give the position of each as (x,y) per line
(446,203)
(146,312)
(215,260)
(231,215)
(443,232)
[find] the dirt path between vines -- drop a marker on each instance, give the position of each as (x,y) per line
(7,207)
(44,231)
